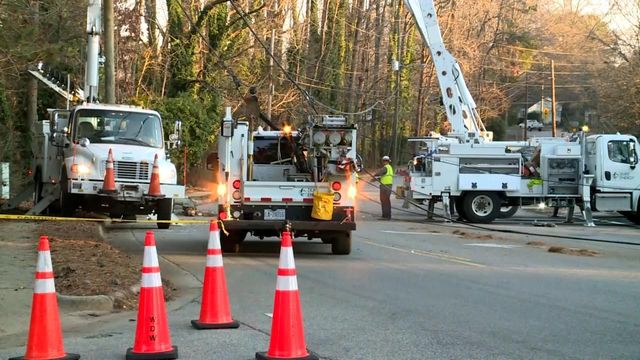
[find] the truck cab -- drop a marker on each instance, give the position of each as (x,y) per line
(613,160)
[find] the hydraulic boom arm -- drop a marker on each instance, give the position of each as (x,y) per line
(460,108)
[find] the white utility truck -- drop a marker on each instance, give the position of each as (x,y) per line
(268,181)
(71,150)
(481,176)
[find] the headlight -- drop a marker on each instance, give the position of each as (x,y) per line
(167,175)
(80,169)
(222,189)
(83,169)
(352,192)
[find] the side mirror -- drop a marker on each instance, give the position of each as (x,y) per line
(633,154)
(176,136)
(84,142)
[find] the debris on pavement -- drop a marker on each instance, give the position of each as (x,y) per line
(473,236)
(572,251)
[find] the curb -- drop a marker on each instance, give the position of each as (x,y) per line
(72,303)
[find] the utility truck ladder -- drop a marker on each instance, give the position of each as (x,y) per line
(460,107)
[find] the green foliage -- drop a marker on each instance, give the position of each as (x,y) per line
(534,115)
(200,124)
(498,127)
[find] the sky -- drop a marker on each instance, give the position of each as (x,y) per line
(613,16)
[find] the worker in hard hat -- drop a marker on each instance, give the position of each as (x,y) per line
(385,175)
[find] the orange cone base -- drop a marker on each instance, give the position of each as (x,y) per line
(167,355)
(264,356)
(66,357)
(206,326)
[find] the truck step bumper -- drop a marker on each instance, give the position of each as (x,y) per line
(280,225)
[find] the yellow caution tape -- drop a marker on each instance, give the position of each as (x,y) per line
(58,218)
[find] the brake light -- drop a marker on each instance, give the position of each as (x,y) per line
(222,215)
(336,186)
(236,184)
(74,168)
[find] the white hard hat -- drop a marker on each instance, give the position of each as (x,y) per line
(386,158)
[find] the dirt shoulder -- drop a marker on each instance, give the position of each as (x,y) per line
(83,263)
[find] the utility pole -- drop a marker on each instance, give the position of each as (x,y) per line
(526,104)
(542,104)
(32,86)
(394,126)
(109,53)
(553,99)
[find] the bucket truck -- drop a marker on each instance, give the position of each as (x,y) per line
(70,150)
(480,176)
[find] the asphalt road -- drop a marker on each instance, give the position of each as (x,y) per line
(409,290)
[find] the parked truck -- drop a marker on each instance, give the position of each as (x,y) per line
(71,151)
(481,176)
(268,181)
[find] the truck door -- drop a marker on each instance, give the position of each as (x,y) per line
(620,170)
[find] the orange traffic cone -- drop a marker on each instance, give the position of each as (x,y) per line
(153,340)
(215,312)
(287,332)
(154,185)
(45,332)
(109,185)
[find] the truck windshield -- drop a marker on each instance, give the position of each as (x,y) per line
(118,127)
(272,150)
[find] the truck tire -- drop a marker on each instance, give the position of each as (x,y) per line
(67,203)
(507,211)
(459,205)
(164,209)
(37,188)
(481,207)
(341,243)
(631,216)
(231,243)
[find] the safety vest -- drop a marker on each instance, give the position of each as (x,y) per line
(387,179)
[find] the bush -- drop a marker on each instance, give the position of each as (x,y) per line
(498,127)
(200,125)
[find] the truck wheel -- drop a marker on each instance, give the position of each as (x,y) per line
(460,208)
(231,243)
(37,188)
(481,207)
(67,202)
(341,244)
(164,209)
(631,216)
(507,211)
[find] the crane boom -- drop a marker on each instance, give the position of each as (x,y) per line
(460,107)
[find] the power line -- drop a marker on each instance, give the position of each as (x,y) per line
(539,50)
(538,62)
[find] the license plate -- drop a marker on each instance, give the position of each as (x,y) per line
(278,214)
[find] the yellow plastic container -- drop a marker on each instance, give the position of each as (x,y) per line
(322,206)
